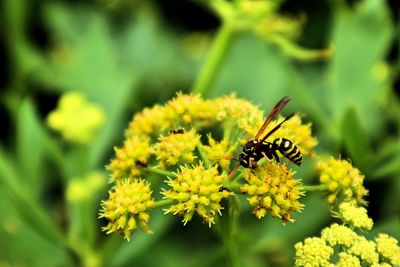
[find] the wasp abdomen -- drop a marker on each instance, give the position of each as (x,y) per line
(289,150)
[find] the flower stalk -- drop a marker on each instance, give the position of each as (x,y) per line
(212,64)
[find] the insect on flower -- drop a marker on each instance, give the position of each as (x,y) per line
(257,148)
(177,131)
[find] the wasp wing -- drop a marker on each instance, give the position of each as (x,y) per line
(278,107)
(275,128)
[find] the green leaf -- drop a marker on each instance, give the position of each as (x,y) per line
(127,252)
(361,39)
(27,206)
(21,244)
(91,64)
(356,140)
(33,146)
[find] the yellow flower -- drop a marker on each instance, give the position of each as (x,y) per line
(342,180)
(239,113)
(388,247)
(82,189)
(219,152)
(313,252)
(355,250)
(273,189)
(339,235)
(76,119)
(127,207)
(177,148)
(163,138)
(196,189)
(130,159)
(150,122)
(192,110)
(347,260)
(356,216)
(366,250)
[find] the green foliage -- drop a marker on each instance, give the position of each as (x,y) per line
(126,58)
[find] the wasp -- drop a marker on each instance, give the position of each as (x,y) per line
(257,148)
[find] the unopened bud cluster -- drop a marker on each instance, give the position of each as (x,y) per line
(344,245)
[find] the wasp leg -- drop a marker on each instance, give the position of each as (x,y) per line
(265,156)
(251,167)
(232,172)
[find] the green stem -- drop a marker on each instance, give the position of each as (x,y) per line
(163,203)
(234,186)
(204,157)
(208,71)
(310,188)
(161,172)
(231,250)
(226,224)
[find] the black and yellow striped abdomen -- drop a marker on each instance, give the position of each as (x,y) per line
(288,149)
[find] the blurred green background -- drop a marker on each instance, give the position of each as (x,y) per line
(125,55)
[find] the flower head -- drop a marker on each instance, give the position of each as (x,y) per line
(175,148)
(219,152)
(198,190)
(355,216)
(272,189)
(82,189)
(353,249)
(388,248)
(339,235)
(365,250)
(170,140)
(127,207)
(348,260)
(313,252)
(342,180)
(130,159)
(75,118)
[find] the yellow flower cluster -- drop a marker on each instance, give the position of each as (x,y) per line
(127,207)
(130,159)
(339,235)
(165,137)
(196,189)
(313,252)
(240,113)
(388,248)
(273,189)
(83,189)
(177,147)
(351,248)
(347,260)
(356,216)
(218,153)
(75,118)
(342,180)
(188,111)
